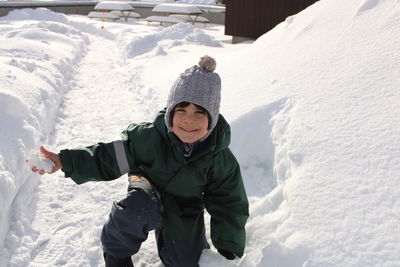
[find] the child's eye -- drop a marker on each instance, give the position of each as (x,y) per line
(200,112)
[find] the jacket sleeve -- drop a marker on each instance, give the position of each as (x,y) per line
(99,162)
(227,203)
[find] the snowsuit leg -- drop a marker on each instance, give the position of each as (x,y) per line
(182,253)
(130,221)
(117,262)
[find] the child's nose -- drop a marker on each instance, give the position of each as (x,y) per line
(190,118)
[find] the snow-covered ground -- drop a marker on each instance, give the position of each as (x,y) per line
(315,116)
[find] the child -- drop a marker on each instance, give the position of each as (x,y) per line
(177,165)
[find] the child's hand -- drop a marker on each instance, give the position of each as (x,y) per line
(49,162)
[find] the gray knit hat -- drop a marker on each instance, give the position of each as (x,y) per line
(199,85)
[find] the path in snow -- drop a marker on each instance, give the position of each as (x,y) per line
(69,218)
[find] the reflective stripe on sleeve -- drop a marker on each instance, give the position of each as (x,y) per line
(121,156)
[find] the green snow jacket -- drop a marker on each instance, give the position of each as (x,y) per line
(209,178)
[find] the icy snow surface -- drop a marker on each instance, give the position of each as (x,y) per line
(314,110)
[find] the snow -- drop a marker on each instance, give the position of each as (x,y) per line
(203,2)
(36,160)
(177,8)
(313,106)
(113,5)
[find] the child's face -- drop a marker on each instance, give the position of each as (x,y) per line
(190,123)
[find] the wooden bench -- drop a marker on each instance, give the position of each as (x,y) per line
(103,15)
(177,8)
(124,8)
(126,15)
(191,18)
(163,19)
(181,12)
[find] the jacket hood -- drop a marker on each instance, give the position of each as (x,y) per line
(219,138)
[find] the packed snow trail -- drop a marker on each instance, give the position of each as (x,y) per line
(70,217)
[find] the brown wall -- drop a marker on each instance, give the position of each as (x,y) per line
(253,18)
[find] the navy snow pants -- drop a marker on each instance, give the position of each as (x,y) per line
(132,218)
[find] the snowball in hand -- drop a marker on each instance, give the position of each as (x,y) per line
(41,163)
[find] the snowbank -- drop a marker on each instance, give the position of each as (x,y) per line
(133,45)
(336,67)
(38,51)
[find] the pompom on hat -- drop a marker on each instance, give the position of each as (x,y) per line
(199,85)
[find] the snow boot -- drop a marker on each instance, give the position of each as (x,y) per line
(117,262)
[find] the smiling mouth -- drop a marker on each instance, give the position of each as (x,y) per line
(188,131)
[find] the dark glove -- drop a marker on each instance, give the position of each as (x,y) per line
(227,254)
